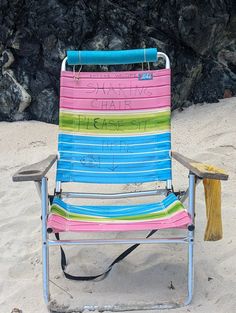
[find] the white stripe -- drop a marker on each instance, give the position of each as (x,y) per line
(94,172)
(114,145)
(114,163)
(129,75)
(115,112)
(112,134)
(111,154)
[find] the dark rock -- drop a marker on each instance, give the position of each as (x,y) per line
(198,36)
(228,93)
(44,107)
(14,99)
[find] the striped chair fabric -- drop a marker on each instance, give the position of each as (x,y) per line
(115,129)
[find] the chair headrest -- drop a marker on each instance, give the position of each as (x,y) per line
(111,57)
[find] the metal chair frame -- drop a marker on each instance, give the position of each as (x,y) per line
(188,239)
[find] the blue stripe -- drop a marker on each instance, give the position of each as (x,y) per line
(119,210)
(113,178)
(100,140)
(111,211)
(125,158)
(122,148)
(93,164)
(85,158)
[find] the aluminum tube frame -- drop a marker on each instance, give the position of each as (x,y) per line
(114,195)
(117,241)
(122,307)
(165,57)
(191,210)
(58,186)
(45,247)
(186,194)
(169,184)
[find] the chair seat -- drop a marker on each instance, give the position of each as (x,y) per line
(169,213)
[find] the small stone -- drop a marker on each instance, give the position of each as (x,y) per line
(57,276)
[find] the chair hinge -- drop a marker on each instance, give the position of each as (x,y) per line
(179,193)
(56,194)
(191,227)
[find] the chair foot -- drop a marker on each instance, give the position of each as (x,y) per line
(188,300)
(116,308)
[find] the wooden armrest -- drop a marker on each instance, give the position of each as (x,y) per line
(36,171)
(200,169)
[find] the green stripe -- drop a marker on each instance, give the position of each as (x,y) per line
(175,207)
(130,123)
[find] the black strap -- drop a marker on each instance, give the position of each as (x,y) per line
(104,274)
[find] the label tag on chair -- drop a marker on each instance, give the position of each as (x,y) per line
(145,76)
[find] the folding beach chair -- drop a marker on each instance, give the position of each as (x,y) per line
(115,129)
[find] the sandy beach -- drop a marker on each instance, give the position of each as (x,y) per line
(203,132)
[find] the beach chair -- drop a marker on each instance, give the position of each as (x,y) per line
(115,129)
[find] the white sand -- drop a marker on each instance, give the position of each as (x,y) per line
(206,133)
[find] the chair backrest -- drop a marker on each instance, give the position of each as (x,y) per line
(114,126)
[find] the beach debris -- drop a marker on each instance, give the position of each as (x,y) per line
(15,310)
(171,286)
(69,294)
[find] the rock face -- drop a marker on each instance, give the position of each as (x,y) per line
(198,36)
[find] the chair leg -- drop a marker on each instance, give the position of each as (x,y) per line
(45,247)
(191,210)
(190,272)
(45,272)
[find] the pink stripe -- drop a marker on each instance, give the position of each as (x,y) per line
(60,224)
(117,93)
(114,83)
(113,105)
(115,75)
